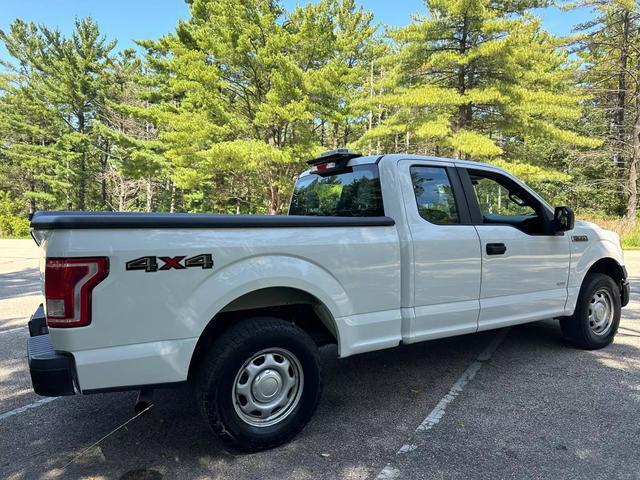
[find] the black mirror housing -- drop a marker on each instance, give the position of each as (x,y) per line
(563,219)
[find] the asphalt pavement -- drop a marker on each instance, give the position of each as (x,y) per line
(515,403)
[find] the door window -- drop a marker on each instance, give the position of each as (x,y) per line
(434,195)
(502,201)
(496,200)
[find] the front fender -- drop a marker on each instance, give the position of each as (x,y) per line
(596,251)
(583,260)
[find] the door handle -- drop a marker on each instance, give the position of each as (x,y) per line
(496,248)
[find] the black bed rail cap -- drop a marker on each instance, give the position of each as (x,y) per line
(335,155)
(55,220)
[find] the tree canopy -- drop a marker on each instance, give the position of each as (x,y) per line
(221,114)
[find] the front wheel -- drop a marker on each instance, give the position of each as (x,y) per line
(597,315)
(259,384)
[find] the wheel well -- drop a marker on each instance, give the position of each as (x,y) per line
(296,306)
(610,267)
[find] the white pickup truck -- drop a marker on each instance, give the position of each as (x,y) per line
(375,252)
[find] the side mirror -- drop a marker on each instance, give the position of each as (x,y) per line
(563,219)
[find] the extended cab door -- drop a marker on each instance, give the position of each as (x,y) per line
(445,249)
(525,267)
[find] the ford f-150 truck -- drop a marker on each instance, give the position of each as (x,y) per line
(376,251)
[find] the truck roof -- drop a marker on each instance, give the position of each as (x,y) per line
(370,159)
(407,156)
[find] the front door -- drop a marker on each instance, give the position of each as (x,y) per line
(445,249)
(525,267)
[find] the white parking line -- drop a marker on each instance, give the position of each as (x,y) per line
(19,410)
(390,472)
(17,329)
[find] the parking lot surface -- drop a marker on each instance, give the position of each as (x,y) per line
(515,403)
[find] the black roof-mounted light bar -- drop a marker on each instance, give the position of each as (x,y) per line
(332,161)
(337,155)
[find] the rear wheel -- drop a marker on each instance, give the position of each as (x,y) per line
(597,315)
(259,384)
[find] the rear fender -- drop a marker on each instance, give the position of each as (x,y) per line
(256,273)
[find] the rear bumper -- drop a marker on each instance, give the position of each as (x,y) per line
(108,369)
(52,373)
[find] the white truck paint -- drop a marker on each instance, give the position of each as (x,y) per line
(372,287)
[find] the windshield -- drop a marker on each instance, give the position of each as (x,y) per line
(352,193)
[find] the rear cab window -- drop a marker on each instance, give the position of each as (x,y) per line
(350,192)
(434,195)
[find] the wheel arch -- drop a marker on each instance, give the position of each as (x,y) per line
(288,303)
(602,255)
(608,266)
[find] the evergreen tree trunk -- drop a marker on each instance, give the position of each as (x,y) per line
(121,197)
(172,206)
(463,110)
(82,181)
(619,115)
(103,176)
(32,200)
(274,200)
(83,166)
(149,196)
(632,201)
(632,185)
(68,190)
(370,122)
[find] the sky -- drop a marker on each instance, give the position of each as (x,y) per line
(127,20)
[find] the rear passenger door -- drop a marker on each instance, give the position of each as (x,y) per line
(446,252)
(525,266)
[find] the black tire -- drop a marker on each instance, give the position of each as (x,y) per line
(577,328)
(220,370)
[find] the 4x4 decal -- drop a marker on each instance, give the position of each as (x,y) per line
(151,264)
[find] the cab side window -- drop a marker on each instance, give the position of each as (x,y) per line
(496,200)
(504,202)
(434,195)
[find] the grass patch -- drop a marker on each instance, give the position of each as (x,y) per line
(631,241)
(629,232)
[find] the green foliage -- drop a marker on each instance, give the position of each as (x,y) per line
(221,115)
(473,78)
(12,223)
(247,90)
(631,241)
(608,46)
(628,231)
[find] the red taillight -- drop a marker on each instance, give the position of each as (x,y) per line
(68,283)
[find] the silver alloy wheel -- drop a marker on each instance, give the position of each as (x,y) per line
(268,387)
(601,312)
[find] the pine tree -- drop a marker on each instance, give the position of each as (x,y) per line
(131,154)
(34,163)
(609,46)
(474,79)
(248,91)
(66,75)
